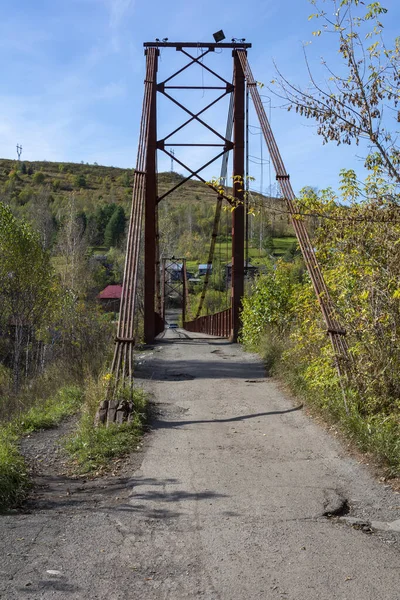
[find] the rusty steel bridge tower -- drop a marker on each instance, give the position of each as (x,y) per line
(222,145)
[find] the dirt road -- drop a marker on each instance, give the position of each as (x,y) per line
(229,501)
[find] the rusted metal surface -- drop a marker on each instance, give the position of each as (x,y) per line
(210,45)
(150,228)
(238,192)
(185,292)
(122,364)
(333,327)
(218,324)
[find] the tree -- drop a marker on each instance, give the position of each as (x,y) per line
(72,246)
(39,178)
(40,216)
(80,181)
(361,103)
(115,228)
(102,216)
(27,287)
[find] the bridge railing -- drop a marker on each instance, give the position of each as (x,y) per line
(218,324)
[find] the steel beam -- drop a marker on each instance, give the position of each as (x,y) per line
(150,226)
(238,192)
(210,45)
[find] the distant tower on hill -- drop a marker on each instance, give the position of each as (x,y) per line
(19,151)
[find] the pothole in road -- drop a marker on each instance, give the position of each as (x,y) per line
(335,504)
(342,509)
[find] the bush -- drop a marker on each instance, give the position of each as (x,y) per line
(38,178)
(359,252)
(13,472)
(269,304)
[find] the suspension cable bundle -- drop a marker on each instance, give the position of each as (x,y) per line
(218,208)
(335,331)
(112,409)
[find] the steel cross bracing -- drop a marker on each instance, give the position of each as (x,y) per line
(227,143)
(174,281)
(235,89)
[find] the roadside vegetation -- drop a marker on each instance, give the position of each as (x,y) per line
(91,448)
(357,243)
(14,479)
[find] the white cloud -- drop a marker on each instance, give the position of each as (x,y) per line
(118,10)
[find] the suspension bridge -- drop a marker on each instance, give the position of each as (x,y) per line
(235,494)
(143,235)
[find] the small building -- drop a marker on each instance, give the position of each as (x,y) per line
(173,271)
(110,298)
(203,269)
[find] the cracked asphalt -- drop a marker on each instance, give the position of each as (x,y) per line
(226,500)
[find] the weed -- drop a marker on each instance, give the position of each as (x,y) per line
(90,448)
(52,411)
(13,472)
(14,480)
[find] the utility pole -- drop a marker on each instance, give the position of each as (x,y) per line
(172,159)
(19,151)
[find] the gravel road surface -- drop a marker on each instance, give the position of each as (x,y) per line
(236,495)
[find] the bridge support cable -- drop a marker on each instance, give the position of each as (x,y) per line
(334,329)
(218,209)
(111,409)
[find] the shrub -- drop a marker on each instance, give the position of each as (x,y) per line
(80,181)
(39,177)
(92,447)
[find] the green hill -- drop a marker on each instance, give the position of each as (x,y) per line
(43,193)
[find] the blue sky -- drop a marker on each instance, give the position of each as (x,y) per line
(72,78)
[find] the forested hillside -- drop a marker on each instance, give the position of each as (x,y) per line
(43,193)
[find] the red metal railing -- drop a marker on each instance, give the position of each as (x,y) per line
(219,324)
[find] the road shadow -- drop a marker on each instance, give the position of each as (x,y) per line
(159,423)
(122,494)
(55,584)
(220,367)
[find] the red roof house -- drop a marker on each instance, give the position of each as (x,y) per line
(110,298)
